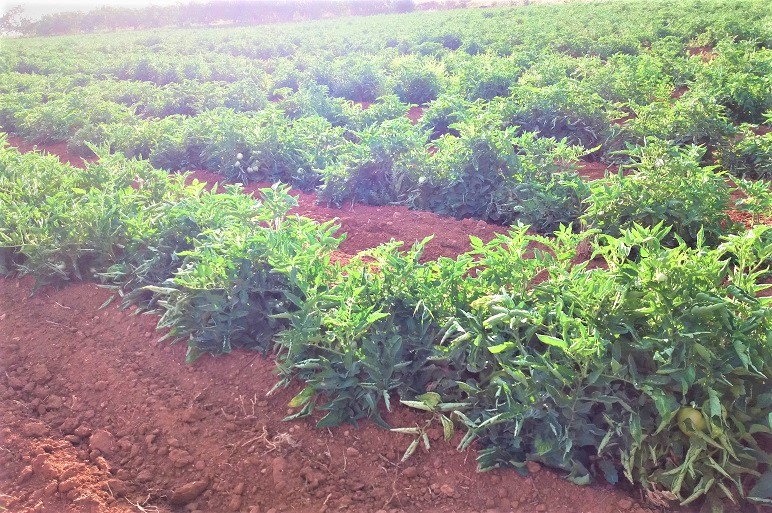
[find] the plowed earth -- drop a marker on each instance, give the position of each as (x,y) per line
(99,416)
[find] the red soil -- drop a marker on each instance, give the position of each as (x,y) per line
(746,218)
(761,129)
(58,149)
(678,92)
(595,170)
(706,53)
(367,226)
(415,114)
(742,217)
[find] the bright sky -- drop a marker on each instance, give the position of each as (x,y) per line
(36,8)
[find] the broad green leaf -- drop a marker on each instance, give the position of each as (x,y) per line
(302,397)
(553,341)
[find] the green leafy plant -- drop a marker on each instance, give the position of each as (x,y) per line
(492,174)
(236,278)
(61,223)
(444,112)
(739,79)
(758,197)
(383,167)
(694,118)
(566,109)
(417,81)
(597,372)
(749,155)
(430,402)
(58,118)
(370,332)
(485,76)
(668,186)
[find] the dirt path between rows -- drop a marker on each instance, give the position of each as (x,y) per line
(367,226)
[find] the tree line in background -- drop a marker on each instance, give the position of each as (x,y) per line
(238,12)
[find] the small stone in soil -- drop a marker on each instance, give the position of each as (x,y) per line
(50,488)
(102,441)
(144,476)
(118,488)
(235,503)
(25,474)
(82,431)
(66,486)
(533,467)
(187,492)
(410,472)
(34,430)
(278,465)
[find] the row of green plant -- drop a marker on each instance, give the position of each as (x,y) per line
(645,57)
(482,168)
(599,105)
(579,29)
(481,165)
(652,368)
(750,154)
(737,76)
(573,91)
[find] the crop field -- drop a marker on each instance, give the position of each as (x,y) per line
(493,259)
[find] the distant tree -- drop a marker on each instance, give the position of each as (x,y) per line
(11,22)
(58,24)
(403,5)
(188,13)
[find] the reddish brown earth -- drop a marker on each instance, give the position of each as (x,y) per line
(59,149)
(596,170)
(706,53)
(761,129)
(367,226)
(415,114)
(747,219)
(678,92)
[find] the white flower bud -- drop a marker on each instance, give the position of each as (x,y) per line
(239,156)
